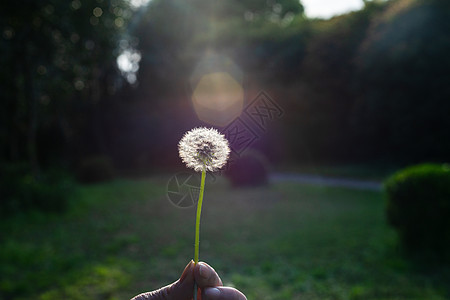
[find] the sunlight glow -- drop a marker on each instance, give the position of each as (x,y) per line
(328,8)
(138,3)
(128,64)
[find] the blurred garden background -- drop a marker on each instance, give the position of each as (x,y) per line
(325,116)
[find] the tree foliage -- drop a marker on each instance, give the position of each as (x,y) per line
(56,57)
(374,84)
(403,80)
(368,85)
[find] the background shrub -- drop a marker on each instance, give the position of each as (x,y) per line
(418,206)
(248,170)
(20,191)
(95,169)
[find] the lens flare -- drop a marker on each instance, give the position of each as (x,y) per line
(218,95)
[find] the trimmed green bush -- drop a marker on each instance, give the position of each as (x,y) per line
(95,169)
(418,206)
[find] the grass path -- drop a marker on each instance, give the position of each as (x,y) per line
(352,183)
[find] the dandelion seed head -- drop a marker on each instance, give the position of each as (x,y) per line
(204,149)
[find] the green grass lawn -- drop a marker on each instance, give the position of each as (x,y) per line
(287,241)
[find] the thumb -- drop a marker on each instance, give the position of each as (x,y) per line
(182,289)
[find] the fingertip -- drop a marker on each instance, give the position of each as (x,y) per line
(202,271)
(206,276)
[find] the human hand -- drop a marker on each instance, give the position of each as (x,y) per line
(208,282)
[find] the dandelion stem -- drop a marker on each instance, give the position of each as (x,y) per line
(197,225)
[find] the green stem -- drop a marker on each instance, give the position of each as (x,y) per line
(197,220)
(197,225)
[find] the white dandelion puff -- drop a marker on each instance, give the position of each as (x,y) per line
(204,149)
